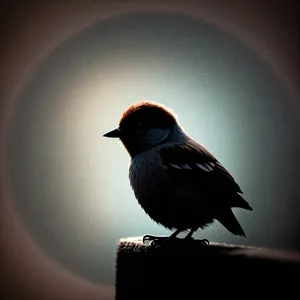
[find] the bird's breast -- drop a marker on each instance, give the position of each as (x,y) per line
(147,176)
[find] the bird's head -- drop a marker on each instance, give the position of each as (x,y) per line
(143,126)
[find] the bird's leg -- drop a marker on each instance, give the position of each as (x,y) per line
(189,236)
(151,238)
(175,233)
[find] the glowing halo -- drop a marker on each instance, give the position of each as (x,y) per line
(77,22)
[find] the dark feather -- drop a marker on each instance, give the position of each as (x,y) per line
(149,114)
(229,221)
(196,190)
(217,181)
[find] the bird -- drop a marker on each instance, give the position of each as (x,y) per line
(178,182)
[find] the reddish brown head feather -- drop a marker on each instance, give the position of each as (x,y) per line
(147,112)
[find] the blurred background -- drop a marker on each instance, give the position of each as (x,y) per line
(229,72)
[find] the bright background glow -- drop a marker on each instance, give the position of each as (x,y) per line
(71,185)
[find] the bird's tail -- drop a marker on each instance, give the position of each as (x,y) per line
(239,201)
(229,221)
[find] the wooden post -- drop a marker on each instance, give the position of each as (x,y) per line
(190,270)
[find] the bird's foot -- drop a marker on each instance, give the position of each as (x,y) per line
(154,240)
(159,240)
(204,242)
(189,237)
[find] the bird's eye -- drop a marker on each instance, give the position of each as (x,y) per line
(140,128)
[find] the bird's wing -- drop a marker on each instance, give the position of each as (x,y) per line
(194,167)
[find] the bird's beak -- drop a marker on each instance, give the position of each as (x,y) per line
(116,133)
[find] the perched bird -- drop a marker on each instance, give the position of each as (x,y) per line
(177,181)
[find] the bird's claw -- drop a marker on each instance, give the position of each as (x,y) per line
(204,242)
(157,240)
(152,239)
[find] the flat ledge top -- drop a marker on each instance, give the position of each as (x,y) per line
(251,252)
